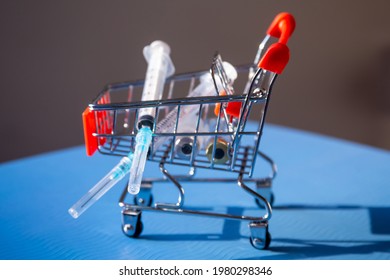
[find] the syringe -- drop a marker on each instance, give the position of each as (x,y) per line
(160,66)
(189,113)
(104,185)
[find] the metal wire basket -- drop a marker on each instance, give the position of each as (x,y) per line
(223,133)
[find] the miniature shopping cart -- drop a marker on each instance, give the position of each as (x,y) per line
(223,133)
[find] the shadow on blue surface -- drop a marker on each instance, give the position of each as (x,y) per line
(379,216)
(380,220)
(230,231)
(300,248)
(311,249)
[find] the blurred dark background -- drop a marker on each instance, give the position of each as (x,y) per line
(57,55)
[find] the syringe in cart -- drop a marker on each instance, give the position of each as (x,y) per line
(185,120)
(160,67)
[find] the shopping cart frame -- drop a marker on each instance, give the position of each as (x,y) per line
(102,115)
(245,155)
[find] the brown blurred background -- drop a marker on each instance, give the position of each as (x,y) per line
(57,55)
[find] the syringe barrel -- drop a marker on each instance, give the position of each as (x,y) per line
(104,185)
(189,113)
(160,67)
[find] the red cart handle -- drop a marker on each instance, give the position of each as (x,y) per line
(276,58)
(282,27)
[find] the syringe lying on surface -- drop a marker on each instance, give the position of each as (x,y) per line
(104,185)
(160,67)
(188,115)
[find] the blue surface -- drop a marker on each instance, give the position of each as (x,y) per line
(332,202)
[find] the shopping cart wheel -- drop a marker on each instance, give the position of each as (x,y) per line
(270,199)
(260,236)
(132,225)
(138,228)
(266,245)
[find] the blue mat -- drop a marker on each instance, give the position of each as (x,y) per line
(332,202)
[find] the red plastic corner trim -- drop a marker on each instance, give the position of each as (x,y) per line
(282,27)
(233,108)
(276,58)
(89,123)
